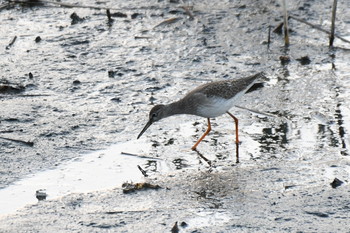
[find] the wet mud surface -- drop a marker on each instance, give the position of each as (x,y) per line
(73,82)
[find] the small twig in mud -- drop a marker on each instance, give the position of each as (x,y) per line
(269,38)
(168,21)
(140,156)
(18,141)
(13,96)
(142,37)
(256,111)
(318,28)
(11,42)
(334,10)
(142,171)
(285,22)
(62,4)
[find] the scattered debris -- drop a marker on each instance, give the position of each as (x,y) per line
(130,187)
(304,60)
(175,228)
(284,60)
(188,9)
(59,4)
(142,37)
(11,89)
(37,39)
(116,99)
(142,171)
(184,224)
(6,5)
(11,42)
(135,15)
(289,186)
(29,95)
(119,15)
(112,73)
(76,82)
(336,183)
(318,28)
(257,112)
(318,214)
(75,18)
(140,156)
(269,37)
(168,21)
(170,142)
(27,143)
(41,194)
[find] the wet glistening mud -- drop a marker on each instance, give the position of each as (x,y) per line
(77,85)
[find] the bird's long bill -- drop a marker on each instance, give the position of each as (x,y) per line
(149,123)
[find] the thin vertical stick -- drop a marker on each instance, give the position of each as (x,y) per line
(334,10)
(109,15)
(269,38)
(285,24)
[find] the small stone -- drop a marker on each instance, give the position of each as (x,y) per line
(37,39)
(304,60)
(183,224)
(119,15)
(135,15)
(41,194)
(76,82)
(75,18)
(284,59)
(336,183)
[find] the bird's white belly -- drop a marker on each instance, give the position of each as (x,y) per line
(215,107)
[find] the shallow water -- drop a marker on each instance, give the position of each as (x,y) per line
(94,82)
(100,170)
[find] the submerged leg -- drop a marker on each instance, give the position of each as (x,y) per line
(237,141)
(205,134)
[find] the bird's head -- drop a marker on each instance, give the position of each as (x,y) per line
(156,113)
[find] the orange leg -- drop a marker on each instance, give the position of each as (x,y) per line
(237,141)
(205,134)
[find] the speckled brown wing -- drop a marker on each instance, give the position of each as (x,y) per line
(228,88)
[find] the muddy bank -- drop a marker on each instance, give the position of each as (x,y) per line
(74,81)
(285,196)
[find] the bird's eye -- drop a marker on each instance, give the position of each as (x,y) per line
(154,115)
